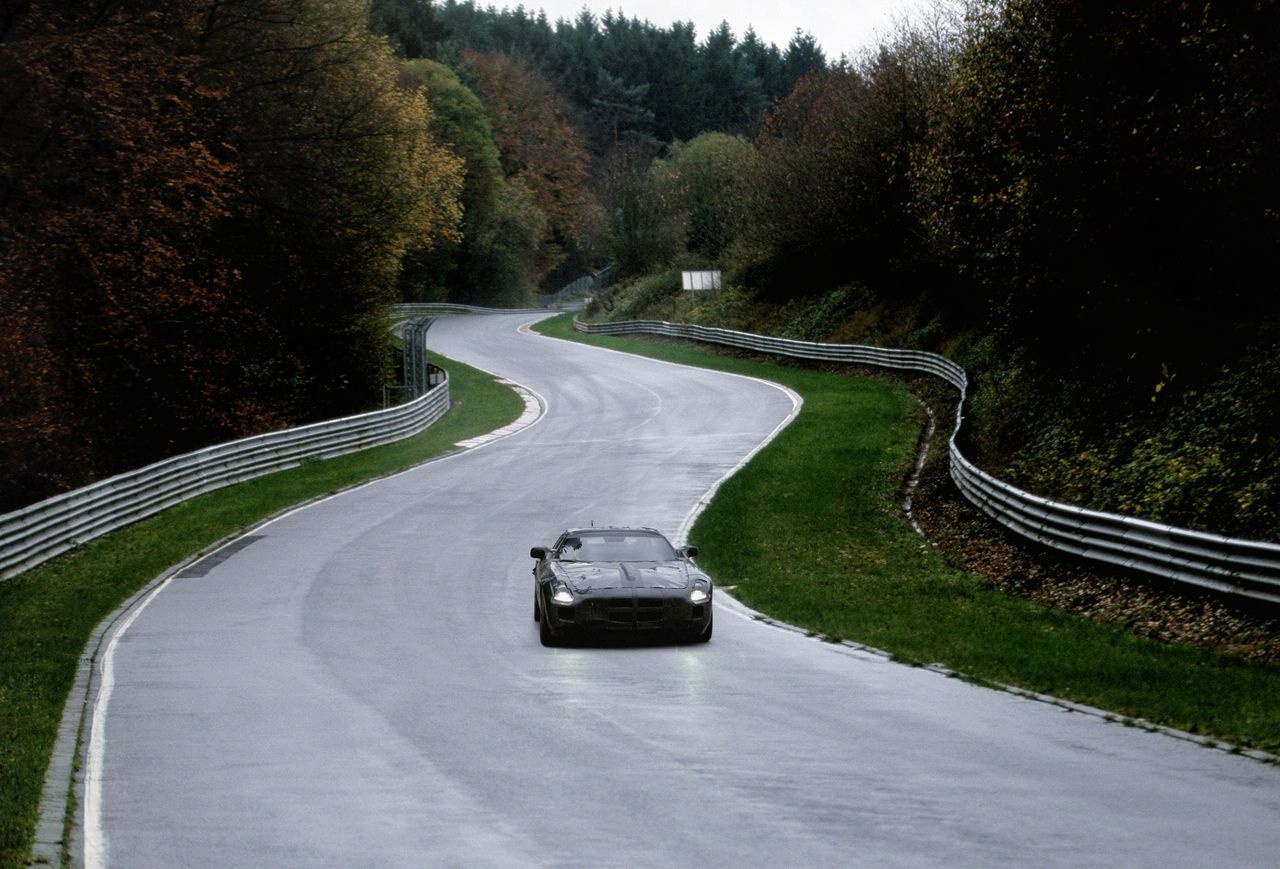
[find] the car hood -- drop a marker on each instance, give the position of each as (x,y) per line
(591,575)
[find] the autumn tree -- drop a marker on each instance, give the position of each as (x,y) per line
(459,122)
(1104,179)
(540,148)
(340,175)
(120,320)
(1105,175)
(202,214)
(813,201)
(508,249)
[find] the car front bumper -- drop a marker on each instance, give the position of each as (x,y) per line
(624,612)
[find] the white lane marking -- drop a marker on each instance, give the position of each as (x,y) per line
(95,838)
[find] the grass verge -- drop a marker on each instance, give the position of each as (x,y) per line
(810,532)
(48,613)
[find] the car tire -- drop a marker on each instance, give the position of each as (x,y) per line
(548,639)
(705,636)
(537,610)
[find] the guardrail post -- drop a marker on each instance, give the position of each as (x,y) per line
(416,378)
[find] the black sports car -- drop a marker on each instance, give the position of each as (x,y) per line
(619,582)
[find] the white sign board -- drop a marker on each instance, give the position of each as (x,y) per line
(706,280)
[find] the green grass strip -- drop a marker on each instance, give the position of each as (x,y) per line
(811,533)
(48,613)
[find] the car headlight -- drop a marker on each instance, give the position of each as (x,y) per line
(561,594)
(701,592)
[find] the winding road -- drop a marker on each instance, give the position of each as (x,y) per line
(360,683)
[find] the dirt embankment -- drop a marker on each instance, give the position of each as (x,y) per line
(1144,605)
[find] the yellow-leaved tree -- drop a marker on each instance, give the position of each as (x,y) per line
(340,175)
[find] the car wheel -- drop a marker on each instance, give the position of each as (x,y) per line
(544,634)
(706,635)
(537,611)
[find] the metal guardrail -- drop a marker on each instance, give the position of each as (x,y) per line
(1235,566)
(40,531)
(35,533)
(435,309)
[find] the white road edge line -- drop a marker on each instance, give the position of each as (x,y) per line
(95,839)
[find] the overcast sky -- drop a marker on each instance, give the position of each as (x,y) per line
(841,27)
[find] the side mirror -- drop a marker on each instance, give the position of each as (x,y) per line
(538,552)
(690,551)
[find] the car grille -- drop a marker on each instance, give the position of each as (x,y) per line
(638,612)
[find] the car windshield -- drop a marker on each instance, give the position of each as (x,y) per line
(616,546)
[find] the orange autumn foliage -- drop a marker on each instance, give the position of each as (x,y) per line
(538,144)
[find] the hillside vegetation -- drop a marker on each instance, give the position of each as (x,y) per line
(1202,457)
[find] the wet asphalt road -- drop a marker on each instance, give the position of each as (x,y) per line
(361,684)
